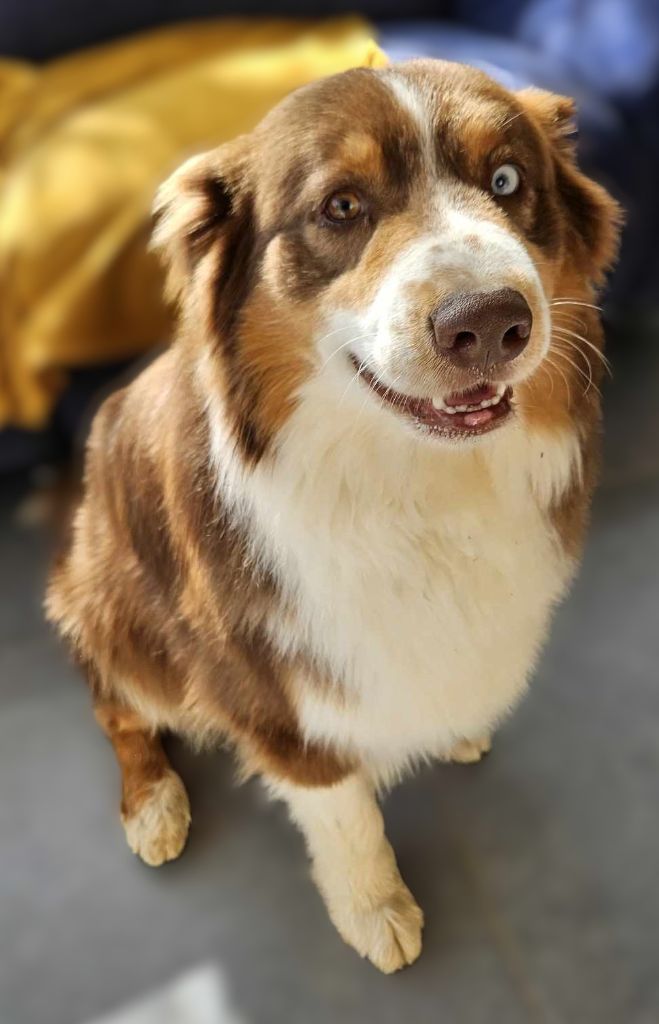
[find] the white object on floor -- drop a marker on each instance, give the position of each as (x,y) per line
(197,997)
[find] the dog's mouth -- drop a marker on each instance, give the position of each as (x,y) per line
(469,413)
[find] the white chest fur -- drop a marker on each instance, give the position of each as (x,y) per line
(422,576)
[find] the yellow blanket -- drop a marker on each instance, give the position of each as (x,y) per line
(84,142)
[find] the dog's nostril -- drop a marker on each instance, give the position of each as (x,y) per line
(464,340)
(515,334)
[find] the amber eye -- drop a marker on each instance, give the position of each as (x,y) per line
(342,207)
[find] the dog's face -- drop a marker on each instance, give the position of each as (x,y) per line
(405,234)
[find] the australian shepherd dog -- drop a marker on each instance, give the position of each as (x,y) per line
(330,524)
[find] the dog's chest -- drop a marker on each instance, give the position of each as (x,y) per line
(425,604)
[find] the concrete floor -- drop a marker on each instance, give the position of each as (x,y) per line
(537,870)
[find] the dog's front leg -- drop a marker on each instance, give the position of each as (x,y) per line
(154,807)
(355,869)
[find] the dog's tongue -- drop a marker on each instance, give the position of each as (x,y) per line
(475,419)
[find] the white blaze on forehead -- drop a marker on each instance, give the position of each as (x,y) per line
(414,100)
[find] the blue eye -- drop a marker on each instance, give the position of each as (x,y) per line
(505,180)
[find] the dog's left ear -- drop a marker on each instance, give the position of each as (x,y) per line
(594,218)
(202,202)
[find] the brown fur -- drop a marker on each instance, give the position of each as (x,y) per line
(175,621)
(139,753)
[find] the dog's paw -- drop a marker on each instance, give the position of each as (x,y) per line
(388,934)
(158,829)
(470,751)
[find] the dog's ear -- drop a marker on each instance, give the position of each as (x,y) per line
(198,205)
(594,218)
(555,114)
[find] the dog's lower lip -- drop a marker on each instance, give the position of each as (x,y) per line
(460,414)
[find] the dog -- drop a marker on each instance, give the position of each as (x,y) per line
(331,522)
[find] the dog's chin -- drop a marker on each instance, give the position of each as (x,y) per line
(459,416)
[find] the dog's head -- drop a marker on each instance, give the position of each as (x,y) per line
(417,237)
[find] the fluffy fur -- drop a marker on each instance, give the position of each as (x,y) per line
(267,550)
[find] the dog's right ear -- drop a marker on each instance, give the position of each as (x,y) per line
(196,206)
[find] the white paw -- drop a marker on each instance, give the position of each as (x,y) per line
(470,751)
(158,830)
(388,934)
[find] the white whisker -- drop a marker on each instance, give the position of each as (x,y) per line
(588,378)
(566,331)
(565,301)
(565,380)
(367,397)
(550,378)
(350,341)
(331,334)
(352,380)
(570,317)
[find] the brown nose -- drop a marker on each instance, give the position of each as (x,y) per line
(482,328)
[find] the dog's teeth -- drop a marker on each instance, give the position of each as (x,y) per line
(439,403)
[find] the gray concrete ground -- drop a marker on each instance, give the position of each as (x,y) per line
(538,870)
